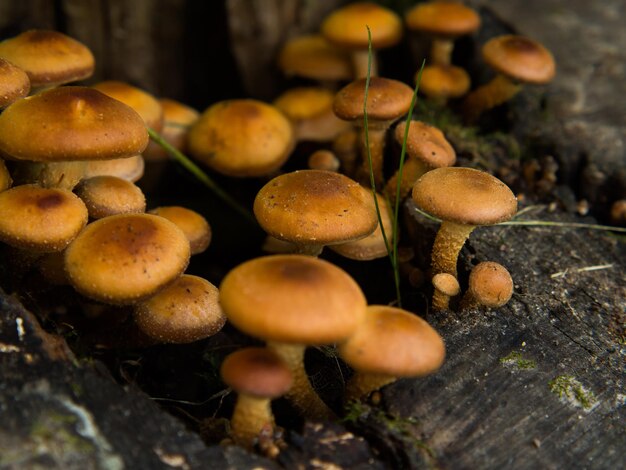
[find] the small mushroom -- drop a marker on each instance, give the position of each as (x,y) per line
(323,160)
(177,120)
(110,195)
(446,286)
(439,83)
(490,285)
(195,227)
(258,376)
(14,83)
(462,198)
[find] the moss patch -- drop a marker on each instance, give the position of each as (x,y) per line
(569,389)
(516,360)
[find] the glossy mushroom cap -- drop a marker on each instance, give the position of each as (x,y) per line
(449,19)
(177,120)
(187,310)
(110,195)
(14,83)
(257,372)
(465,196)
(195,227)
(146,105)
(346,26)
(520,58)
(490,284)
(292,299)
(48,57)
(242,138)
(387,100)
(69,124)
(426,143)
(40,219)
(315,207)
(447,284)
(441,81)
(314,57)
(393,342)
(123,259)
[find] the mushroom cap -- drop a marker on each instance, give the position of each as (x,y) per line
(242,137)
(392,341)
(41,219)
(442,19)
(314,57)
(258,372)
(444,81)
(5,177)
(346,26)
(465,196)
(71,123)
(387,100)
(129,168)
(520,58)
(146,105)
(109,195)
(14,83)
(185,311)
(323,159)
(305,102)
(195,227)
(48,57)
(123,259)
(490,283)
(426,143)
(292,299)
(447,284)
(315,207)
(177,120)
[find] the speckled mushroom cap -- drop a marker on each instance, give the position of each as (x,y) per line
(258,372)
(109,195)
(465,196)
(70,123)
(40,219)
(387,100)
(393,342)
(123,259)
(314,57)
(520,58)
(305,102)
(426,143)
(292,299)
(315,207)
(443,19)
(242,138)
(130,168)
(195,227)
(14,83)
(185,311)
(146,105)
(346,26)
(48,57)
(5,177)
(444,81)
(490,284)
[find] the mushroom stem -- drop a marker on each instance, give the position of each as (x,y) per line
(412,170)
(441,51)
(310,250)
(250,416)
(376,140)
(62,175)
(360,60)
(448,243)
(499,90)
(301,394)
(362,384)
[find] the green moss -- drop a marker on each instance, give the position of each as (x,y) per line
(518,361)
(56,432)
(570,389)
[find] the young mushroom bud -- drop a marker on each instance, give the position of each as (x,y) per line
(195,227)
(490,285)
(323,160)
(258,376)
(110,195)
(446,286)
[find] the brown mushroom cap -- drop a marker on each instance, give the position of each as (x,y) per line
(14,83)
(40,219)
(387,100)
(146,105)
(110,195)
(177,120)
(70,123)
(257,372)
(48,57)
(346,26)
(185,311)
(195,227)
(447,284)
(242,138)
(444,81)
(520,58)
(465,196)
(292,299)
(393,342)
(305,102)
(426,143)
(449,19)
(323,159)
(123,259)
(314,57)
(490,284)
(315,207)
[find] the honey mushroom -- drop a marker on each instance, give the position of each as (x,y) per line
(445,287)
(177,120)
(490,285)
(291,302)
(14,83)
(463,198)
(439,83)
(110,195)
(195,227)
(323,160)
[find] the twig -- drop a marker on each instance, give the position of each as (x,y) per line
(581,270)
